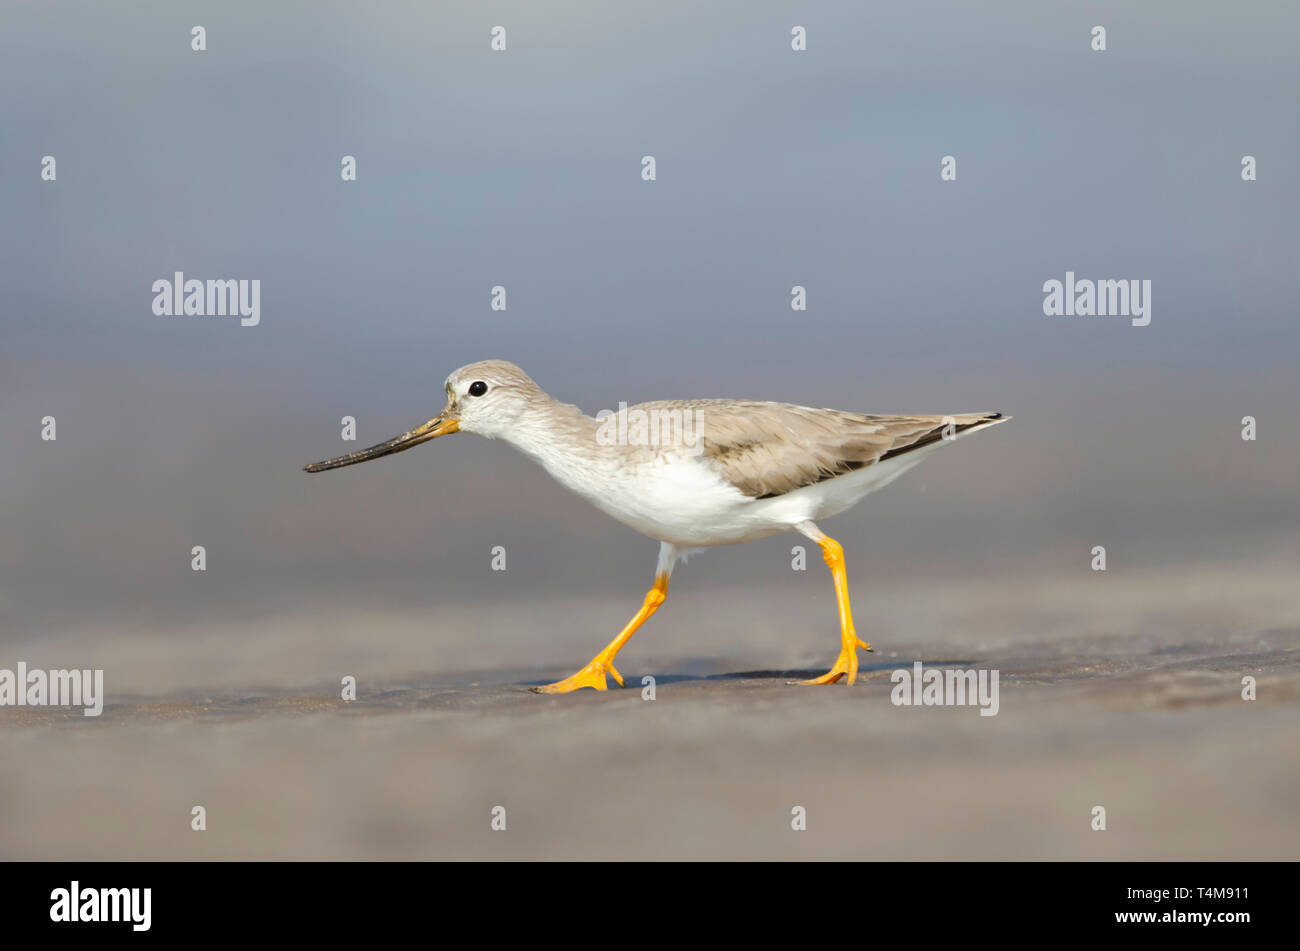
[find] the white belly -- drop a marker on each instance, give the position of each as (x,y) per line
(684,501)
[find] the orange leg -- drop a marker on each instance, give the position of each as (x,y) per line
(593,675)
(847,663)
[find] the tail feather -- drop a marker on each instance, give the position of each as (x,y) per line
(961,424)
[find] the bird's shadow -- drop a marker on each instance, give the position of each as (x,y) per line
(780,675)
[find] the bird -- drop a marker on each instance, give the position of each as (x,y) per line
(692,474)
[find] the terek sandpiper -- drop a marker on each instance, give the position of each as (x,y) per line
(727,471)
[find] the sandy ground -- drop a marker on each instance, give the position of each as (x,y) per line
(1131,701)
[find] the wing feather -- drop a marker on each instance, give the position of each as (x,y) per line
(768,449)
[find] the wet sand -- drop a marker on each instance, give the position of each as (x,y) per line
(1133,704)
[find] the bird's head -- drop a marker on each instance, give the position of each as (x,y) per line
(487,398)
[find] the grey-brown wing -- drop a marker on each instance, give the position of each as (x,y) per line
(768,449)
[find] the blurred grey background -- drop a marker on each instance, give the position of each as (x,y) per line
(523,169)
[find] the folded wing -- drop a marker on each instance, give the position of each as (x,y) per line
(768,449)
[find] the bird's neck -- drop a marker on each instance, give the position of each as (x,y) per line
(556,435)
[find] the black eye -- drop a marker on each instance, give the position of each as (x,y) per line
(477,388)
